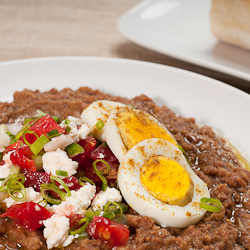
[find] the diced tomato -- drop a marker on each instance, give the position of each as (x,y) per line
(112,233)
(44,125)
(71,182)
(13,146)
(74,219)
(25,150)
(104,153)
(35,179)
(89,145)
(27,214)
(22,161)
(111,177)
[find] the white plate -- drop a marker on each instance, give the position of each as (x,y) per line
(181,29)
(188,94)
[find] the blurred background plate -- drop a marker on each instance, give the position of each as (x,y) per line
(181,29)
(211,102)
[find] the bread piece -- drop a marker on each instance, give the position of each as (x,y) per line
(230,21)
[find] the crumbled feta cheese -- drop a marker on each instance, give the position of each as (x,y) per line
(5,170)
(6,157)
(4,140)
(61,141)
(58,160)
(56,231)
(77,203)
(16,126)
(31,195)
(74,124)
(101,199)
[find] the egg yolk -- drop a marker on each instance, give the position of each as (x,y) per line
(166,180)
(136,126)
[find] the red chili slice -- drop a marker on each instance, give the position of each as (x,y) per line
(27,214)
(112,233)
(44,125)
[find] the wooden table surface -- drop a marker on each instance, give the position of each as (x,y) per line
(45,28)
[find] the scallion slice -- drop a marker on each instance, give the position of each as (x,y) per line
(49,187)
(13,138)
(111,209)
(99,125)
(53,133)
(74,149)
(77,228)
(90,213)
(100,174)
(67,129)
(67,121)
(210,204)
(54,178)
(1,156)
(12,177)
(14,188)
(62,173)
(29,132)
(85,179)
(20,133)
(38,145)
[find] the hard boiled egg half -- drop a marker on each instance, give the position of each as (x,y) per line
(156,181)
(127,126)
(99,111)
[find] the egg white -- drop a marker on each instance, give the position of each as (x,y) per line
(98,110)
(145,204)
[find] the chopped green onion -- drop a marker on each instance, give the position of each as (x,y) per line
(54,178)
(14,188)
(20,133)
(100,174)
(67,129)
(85,179)
(56,119)
(74,149)
(99,125)
(28,120)
(13,177)
(13,138)
(29,132)
(210,204)
(52,187)
(75,230)
(90,213)
(53,133)
(112,208)
(41,203)
(61,173)
(38,162)
(67,121)
(38,145)
(1,156)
